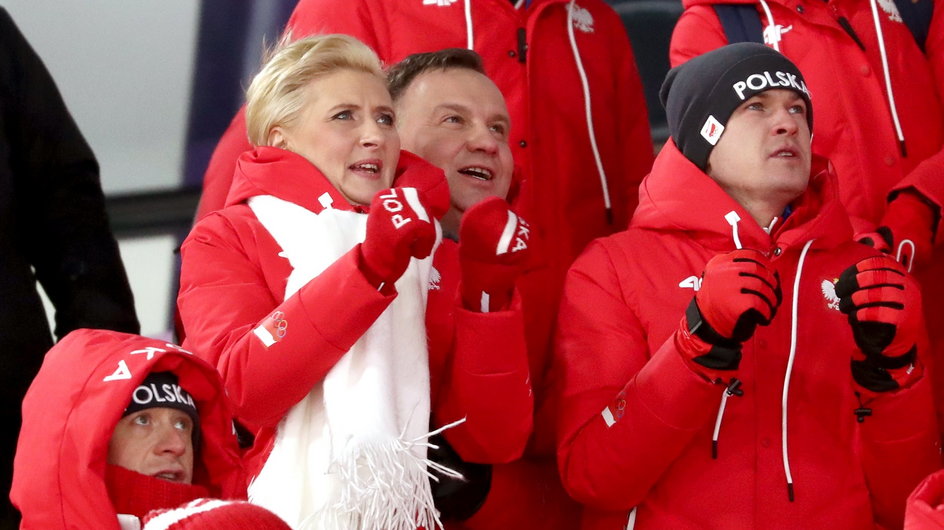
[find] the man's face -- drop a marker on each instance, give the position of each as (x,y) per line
(763,156)
(157,442)
(456,119)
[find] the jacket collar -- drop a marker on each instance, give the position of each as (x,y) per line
(291,177)
(678,197)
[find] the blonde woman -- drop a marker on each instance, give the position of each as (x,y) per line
(308,291)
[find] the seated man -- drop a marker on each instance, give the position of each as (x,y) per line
(117,425)
(690,396)
(451,114)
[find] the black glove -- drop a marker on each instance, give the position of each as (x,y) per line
(457,499)
(884,307)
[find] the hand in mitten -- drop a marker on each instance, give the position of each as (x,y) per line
(884,307)
(907,227)
(398,228)
(493,250)
(738,292)
(429,181)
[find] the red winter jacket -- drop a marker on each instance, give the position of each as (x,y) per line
(70,413)
(623,301)
(233,278)
(854,126)
(926,504)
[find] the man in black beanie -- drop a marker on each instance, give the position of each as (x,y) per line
(734,359)
(700,98)
(158,432)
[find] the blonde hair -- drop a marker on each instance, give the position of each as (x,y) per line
(277,93)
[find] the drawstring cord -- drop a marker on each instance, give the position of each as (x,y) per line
(469,41)
(786,378)
(888,78)
(771,32)
(732,390)
(589,114)
(733,219)
(906,243)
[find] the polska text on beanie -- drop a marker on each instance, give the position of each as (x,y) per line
(700,95)
(161,389)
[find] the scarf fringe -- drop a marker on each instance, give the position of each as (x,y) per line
(385,485)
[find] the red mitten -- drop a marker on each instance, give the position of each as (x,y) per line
(429,181)
(907,227)
(884,307)
(738,292)
(398,228)
(493,249)
(214,513)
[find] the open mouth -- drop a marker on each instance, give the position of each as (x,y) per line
(784,153)
(366,167)
(479,173)
(172,476)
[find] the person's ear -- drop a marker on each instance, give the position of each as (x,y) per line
(277,138)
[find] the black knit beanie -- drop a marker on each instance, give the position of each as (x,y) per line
(700,95)
(161,389)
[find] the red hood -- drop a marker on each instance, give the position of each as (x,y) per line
(667,194)
(291,177)
(70,412)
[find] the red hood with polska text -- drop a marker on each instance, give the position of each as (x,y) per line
(70,413)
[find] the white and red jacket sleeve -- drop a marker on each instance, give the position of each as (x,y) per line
(620,425)
(225,296)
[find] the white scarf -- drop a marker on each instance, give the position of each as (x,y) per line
(352,454)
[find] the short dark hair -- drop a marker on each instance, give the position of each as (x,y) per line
(404,72)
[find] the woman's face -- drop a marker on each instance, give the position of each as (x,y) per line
(347,131)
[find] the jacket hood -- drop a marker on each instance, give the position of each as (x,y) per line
(291,177)
(667,194)
(70,412)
